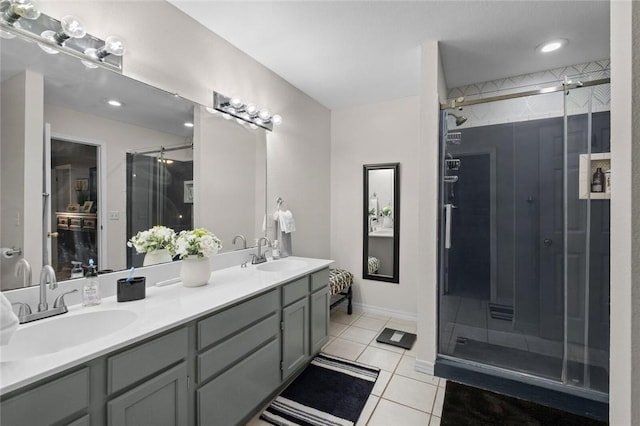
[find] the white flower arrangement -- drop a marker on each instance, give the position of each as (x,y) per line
(156,238)
(198,242)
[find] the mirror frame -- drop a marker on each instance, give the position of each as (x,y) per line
(395,277)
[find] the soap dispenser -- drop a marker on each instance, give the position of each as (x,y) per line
(91,289)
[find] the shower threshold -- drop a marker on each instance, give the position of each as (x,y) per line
(584,402)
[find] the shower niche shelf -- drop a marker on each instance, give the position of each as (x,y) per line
(588,166)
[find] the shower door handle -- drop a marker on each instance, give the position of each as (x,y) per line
(447,225)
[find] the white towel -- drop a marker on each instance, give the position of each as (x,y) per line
(286,221)
(8,320)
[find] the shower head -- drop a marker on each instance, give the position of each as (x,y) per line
(460,119)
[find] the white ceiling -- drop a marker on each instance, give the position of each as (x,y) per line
(347,53)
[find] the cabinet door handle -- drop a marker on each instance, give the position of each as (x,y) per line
(547,242)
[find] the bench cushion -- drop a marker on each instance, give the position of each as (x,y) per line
(340,280)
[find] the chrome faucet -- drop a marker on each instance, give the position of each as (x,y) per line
(242,237)
(47,276)
(261,258)
(23,267)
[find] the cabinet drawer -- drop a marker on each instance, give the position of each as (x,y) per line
(228,399)
(295,290)
(219,357)
(221,325)
(48,403)
(135,364)
(319,279)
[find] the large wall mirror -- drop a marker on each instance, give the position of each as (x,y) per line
(381,219)
(112,170)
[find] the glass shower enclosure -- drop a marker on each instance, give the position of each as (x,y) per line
(159,192)
(524,239)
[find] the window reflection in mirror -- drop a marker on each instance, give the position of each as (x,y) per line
(381,217)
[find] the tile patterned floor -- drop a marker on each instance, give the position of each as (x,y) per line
(401,394)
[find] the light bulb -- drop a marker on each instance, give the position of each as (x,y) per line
(71,28)
(276,119)
(251,109)
(114,102)
(264,114)
(48,35)
(113,46)
(188,124)
(17,9)
(236,103)
(92,53)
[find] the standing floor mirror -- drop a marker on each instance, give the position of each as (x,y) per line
(381,222)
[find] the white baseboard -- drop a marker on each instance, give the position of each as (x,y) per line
(376,310)
(426,367)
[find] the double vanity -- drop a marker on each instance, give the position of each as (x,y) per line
(210,355)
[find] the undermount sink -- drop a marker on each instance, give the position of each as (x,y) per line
(282,265)
(62,332)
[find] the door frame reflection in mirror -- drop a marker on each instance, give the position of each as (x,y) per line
(98,227)
(378,239)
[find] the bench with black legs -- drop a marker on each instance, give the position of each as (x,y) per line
(341,281)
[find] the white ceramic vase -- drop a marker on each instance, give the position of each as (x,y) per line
(157,256)
(195,271)
(387,222)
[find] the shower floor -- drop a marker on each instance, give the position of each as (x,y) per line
(469,332)
(531,362)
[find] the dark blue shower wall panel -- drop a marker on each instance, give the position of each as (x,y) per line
(527,199)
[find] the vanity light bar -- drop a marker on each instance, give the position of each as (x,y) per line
(248,113)
(80,48)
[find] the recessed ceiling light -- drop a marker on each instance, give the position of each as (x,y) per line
(114,103)
(188,124)
(552,46)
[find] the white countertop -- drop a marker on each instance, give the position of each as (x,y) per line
(162,309)
(382,232)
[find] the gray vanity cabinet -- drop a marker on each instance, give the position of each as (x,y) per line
(305,320)
(320,302)
(238,364)
(49,403)
(295,326)
(215,370)
(160,395)
(160,401)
